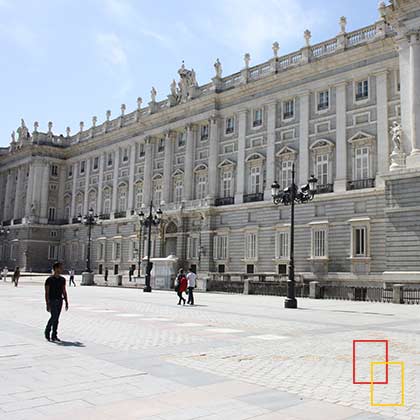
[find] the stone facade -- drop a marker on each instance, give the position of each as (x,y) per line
(208,156)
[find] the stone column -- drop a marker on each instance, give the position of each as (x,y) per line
(240,173)
(189,163)
(61,188)
(131,179)
(73,191)
(115,181)
(167,167)
(413,160)
(7,196)
(271,149)
(29,191)
(340,183)
(86,193)
(18,193)
(304,138)
(213,158)
(382,126)
(148,171)
(44,193)
(100,182)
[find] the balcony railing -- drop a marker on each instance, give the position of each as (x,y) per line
(323,106)
(250,198)
(257,123)
(104,216)
(360,184)
(120,214)
(17,221)
(224,201)
(324,189)
(361,96)
(7,223)
(229,130)
(59,222)
(287,115)
(75,220)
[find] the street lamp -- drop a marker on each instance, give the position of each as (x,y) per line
(4,231)
(290,196)
(148,222)
(89,220)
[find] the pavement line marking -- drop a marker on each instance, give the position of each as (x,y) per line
(190,324)
(104,311)
(128,315)
(157,319)
(223,330)
(268,337)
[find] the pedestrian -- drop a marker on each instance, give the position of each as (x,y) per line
(5,272)
(130,273)
(16,276)
(106,275)
(55,291)
(181,286)
(71,279)
(191,282)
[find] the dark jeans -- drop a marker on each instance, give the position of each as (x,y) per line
(71,280)
(190,295)
(55,310)
(180,297)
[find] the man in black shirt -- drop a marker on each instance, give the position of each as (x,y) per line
(55,291)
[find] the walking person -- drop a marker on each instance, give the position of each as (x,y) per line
(16,276)
(5,272)
(106,275)
(191,282)
(130,273)
(55,292)
(71,279)
(181,286)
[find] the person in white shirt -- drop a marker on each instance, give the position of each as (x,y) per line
(191,283)
(5,273)
(71,279)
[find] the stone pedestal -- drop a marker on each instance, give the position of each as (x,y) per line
(314,290)
(87,279)
(164,270)
(397,161)
(397,293)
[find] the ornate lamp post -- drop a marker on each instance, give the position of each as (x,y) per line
(4,231)
(89,220)
(290,196)
(148,222)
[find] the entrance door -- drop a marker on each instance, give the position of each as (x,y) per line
(170,246)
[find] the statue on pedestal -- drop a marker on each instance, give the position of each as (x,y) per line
(22,131)
(153,94)
(397,155)
(396,136)
(218,68)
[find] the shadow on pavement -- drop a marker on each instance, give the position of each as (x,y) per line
(69,343)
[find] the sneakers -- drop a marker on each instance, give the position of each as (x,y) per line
(47,336)
(55,338)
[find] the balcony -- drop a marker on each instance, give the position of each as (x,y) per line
(59,222)
(75,220)
(105,216)
(224,201)
(288,115)
(361,184)
(250,198)
(120,214)
(7,223)
(323,106)
(257,123)
(325,189)
(17,221)
(229,130)
(361,96)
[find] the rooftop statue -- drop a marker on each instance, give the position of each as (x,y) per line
(22,131)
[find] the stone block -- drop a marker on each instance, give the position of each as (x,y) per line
(397,293)
(87,279)
(314,290)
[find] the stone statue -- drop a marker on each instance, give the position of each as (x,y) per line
(94,121)
(50,124)
(22,131)
(153,94)
(36,125)
(275,48)
(307,35)
(343,23)
(247,59)
(218,68)
(33,209)
(123,108)
(396,132)
(81,125)
(139,102)
(193,78)
(174,92)
(108,115)
(12,135)
(68,130)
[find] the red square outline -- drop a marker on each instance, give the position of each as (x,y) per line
(354,362)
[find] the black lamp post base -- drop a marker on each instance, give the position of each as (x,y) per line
(147,289)
(290,303)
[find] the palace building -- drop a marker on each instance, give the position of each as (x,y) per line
(346,110)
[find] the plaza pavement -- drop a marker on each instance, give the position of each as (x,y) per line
(131,355)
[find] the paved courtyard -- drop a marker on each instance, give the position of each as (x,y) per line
(130,355)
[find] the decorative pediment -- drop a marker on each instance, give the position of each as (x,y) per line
(254,157)
(286,153)
(200,168)
(157,177)
(178,172)
(226,163)
(361,138)
(322,143)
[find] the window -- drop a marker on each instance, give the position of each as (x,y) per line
(360,241)
(319,243)
(107,201)
(52,252)
(51,214)
(220,247)
(193,248)
(67,212)
(53,234)
(139,196)
(362,90)
(204,132)
(70,171)
(141,150)
(255,180)
(82,167)
(288,109)
(54,170)
(117,251)
(229,148)
(95,163)
(251,246)
(125,155)
(109,160)
(161,145)
(286,173)
(53,187)
(321,169)
(178,190)
(157,193)
(323,100)
(282,245)
(122,199)
(361,163)
(258,117)
(227,184)
(229,125)
(201,186)
(182,139)
(101,251)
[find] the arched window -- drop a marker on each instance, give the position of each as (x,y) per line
(138,195)
(122,198)
(79,204)
(201,182)
(157,190)
(92,200)
(106,207)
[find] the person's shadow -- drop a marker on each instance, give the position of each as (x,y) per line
(69,343)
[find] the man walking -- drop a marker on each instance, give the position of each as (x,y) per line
(55,291)
(5,273)
(71,279)
(191,282)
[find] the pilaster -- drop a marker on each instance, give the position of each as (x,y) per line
(340,183)
(382,125)
(148,171)
(86,194)
(73,190)
(115,180)
(168,167)
(304,138)
(189,162)
(131,178)
(241,157)
(214,123)
(271,149)
(18,193)
(61,188)
(44,193)
(100,182)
